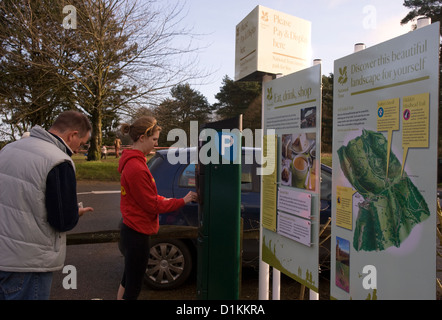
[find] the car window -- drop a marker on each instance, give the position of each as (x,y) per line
(187,178)
(154,161)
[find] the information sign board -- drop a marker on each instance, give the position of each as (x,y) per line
(385,138)
(290,212)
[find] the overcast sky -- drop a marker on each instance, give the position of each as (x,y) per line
(336,26)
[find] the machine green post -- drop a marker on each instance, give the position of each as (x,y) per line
(219,188)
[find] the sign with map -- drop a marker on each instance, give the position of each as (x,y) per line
(385,139)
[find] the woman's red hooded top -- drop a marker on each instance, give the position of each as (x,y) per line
(140,203)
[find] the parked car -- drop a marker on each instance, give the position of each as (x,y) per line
(171,260)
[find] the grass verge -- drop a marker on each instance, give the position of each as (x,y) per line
(101,170)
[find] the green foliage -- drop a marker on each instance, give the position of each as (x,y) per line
(326,158)
(327,114)
(235,98)
(423,8)
(185,105)
(430,9)
(104,170)
(101,170)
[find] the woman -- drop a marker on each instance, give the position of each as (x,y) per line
(140,204)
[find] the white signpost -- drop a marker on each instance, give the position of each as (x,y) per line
(385,138)
(271,42)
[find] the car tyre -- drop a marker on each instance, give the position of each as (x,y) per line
(170,264)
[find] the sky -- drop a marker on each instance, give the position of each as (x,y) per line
(336,26)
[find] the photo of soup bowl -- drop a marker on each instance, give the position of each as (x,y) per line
(299,167)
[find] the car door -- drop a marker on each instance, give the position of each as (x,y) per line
(184,181)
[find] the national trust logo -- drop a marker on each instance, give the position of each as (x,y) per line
(270,93)
(269,97)
(265,16)
(343,75)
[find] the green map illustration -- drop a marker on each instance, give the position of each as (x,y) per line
(392,206)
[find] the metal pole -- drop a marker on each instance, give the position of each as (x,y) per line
(276,275)
(312,294)
(263,267)
(276,284)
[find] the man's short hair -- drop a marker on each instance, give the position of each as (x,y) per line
(72,120)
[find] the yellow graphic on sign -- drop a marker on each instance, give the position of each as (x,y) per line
(344,207)
(269,186)
(415,123)
(388,120)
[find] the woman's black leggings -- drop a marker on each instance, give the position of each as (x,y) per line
(135,247)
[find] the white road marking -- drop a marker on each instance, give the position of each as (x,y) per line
(100,192)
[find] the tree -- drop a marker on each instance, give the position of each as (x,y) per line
(30,87)
(430,9)
(185,105)
(423,8)
(129,60)
(327,114)
(118,58)
(252,116)
(237,98)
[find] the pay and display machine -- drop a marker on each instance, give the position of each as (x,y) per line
(219,191)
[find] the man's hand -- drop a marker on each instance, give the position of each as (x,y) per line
(81,211)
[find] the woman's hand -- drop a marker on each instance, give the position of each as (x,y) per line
(191,196)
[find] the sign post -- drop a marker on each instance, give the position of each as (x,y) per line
(268,43)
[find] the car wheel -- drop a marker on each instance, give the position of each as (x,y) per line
(170,264)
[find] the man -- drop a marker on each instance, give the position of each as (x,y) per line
(38,204)
(117,144)
(103,152)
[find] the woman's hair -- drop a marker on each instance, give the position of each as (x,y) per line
(142,126)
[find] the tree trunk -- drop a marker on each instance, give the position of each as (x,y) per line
(94,152)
